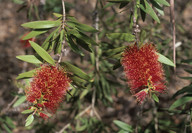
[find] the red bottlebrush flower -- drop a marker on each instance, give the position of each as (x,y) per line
(48,87)
(25,43)
(44,116)
(143,71)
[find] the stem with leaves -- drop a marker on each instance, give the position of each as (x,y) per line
(96,26)
(136,29)
(63,26)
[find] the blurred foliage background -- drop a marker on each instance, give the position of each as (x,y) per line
(104,104)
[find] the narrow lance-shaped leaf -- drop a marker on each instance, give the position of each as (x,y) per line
(81,27)
(82,36)
(27,111)
(155,98)
(29,120)
(75,70)
(9,122)
(73,46)
(119,1)
(165,60)
(19,101)
(45,44)
(181,101)
(57,15)
(34,33)
(128,37)
(184,90)
(58,43)
(123,125)
(28,74)
(83,44)
(42,53)
(149,10)
(41,24)
(115,50)
(163,2)
(29,58)
(6,128)
(157,7)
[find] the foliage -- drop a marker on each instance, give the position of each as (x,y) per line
(95,79)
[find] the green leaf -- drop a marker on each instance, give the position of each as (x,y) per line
(183,90)
(108,5)
(6,128)
(122,5)
(28,74)
(48,40)
(155,98)
(41,24)
(34,33)
(143,14)
(116,56)
(18,1)
(27,111)
(123,131)
(187,78)
(42,53)
(84,93)
(9,122)
(57,15)
(181,101)
(81,27)
(75,70)
(119,1)
(58,43)
(73,46)
(149,10)
(123,125)
(115,50)
(29,120)
(81,128)
(84,44)
(157,7)
(163,2)
(81,36)
(117,65)
(29,58)
(189,61)
(189,71)
(21,100)
(165,60)
(128,37)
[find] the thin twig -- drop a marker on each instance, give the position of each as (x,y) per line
(8,106)
(79,115)
(173,30)
(155,116)
(139,117)
(65,127)
(84,111)
(96,26)
(63,26)
(93,103)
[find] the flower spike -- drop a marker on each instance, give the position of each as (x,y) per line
(144,73)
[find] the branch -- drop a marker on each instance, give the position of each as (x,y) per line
(136,29)
(65,127)
(63,26)
(173,30)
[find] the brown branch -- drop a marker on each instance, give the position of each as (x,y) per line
(172,17)
(63,129)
